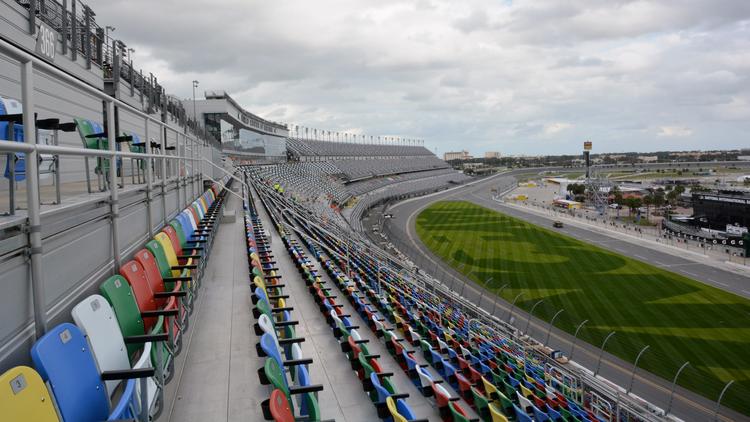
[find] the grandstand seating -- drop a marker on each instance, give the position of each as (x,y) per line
(316,148)
(492,374)
(130,332)
(284,367)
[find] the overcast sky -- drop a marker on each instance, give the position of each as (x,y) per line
(519,77)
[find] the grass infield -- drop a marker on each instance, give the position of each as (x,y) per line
(680,318)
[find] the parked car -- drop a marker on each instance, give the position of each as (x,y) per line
(557,224)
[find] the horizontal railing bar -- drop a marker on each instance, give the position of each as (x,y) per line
(12,146)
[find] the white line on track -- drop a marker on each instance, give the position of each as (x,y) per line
(691,274)
(746,292)
(640,257)
(718,282)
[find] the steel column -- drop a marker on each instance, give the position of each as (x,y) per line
(575,338)
(113,200)
(32,198)
(149,179)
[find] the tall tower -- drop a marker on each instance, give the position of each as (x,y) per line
(597,190)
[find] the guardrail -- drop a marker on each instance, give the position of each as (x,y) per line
(188,156)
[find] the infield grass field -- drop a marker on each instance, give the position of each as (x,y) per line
(680,318)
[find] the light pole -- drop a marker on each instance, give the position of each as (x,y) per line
(674,385)
(513,305)
(718,402)
(575,337)
(531,312)
(500,290)
(107,30)
(551,322)
(635,366)
(481,293)
(195,114)
(601,352)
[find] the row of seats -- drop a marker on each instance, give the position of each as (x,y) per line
(499,382)
(114,361)
(390,404)
(284,367)
(380,320)
(494,374)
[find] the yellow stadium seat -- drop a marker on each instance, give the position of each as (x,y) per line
(24,397)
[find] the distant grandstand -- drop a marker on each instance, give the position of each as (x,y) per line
(341,180)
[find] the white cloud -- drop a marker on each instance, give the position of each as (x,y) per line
(554,128)
(674,131)
(462,74)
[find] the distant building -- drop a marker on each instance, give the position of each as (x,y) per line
(719,209)
(491,154)
(460,155)
(743,157)
(648,158)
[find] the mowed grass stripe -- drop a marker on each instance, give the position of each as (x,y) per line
(680,318)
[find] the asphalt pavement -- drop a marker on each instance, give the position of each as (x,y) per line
(686,405)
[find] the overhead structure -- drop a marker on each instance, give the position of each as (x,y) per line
(597,189)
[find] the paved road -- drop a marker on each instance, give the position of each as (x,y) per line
(687,405)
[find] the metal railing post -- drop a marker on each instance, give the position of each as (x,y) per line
(149,179)
(32,198)
(114,205)
(164,178)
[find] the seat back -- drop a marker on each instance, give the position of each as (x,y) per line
(275,375)
(179,231)
(166,245)
(118,293)
(496,414)
(151,268)
(270,347)
(24,397)
(144,296)
(96,319)
(458,413)
(393,410)
(174,239)
(63,359)
(280,409)
(157,251)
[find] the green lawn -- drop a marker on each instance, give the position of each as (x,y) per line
(680,318)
